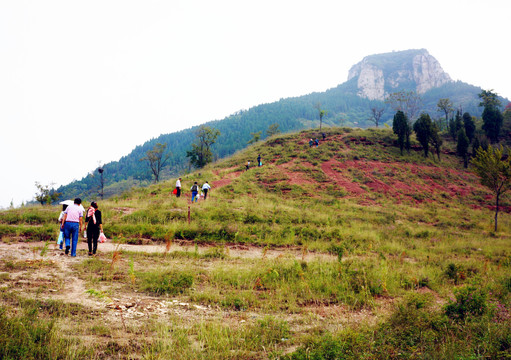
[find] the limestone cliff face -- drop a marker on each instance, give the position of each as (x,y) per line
(379,75)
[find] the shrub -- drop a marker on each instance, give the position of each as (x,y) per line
(347,345)
(470,301)
(455,272)
(234,302)
(337,250)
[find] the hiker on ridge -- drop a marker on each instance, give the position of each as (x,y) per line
(205,188)
(195,191)
(178,187)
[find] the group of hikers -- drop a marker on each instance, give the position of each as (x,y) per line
(315,142)
(71,224)
(205,188)
(194,189)
(259,163)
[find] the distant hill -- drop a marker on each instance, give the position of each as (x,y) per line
(349,104)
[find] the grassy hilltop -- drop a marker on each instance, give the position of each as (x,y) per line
(347,250)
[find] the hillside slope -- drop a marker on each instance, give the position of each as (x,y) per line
(355,167)
(342,104)
(345,250)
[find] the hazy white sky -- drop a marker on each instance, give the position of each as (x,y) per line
(83,82)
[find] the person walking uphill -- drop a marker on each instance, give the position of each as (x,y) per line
(72,225)
(94,227)
(205,189)
(178,187)
(195,191)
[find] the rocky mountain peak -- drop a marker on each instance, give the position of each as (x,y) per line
(379,75)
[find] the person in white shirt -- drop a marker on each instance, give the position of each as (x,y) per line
(205,189)
(178,187)
(72,225)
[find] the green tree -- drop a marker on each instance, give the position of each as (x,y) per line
(446,106)
(201,153)
(156,159)
(423,128)
(273,129)
(489,98)
(462,146)
(506,124)
(46,194)
(402,129)
(255,137)
(492,117)
(470,126)
(455,125)
(322,113)
(436,140)
(494,172)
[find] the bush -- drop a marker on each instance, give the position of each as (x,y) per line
(470,301)
(455,272)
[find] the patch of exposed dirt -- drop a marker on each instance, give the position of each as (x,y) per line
(30,251)
(124,210)
(339,179)
(226,180)
(297,177)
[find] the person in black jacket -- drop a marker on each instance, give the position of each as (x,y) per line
(94,227)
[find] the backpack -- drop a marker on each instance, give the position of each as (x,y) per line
(194,188)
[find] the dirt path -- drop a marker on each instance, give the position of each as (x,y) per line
(34,250)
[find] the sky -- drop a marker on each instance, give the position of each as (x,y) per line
(82,83)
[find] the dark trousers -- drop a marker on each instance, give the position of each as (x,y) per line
(92,238)
(205,191)
(178,193)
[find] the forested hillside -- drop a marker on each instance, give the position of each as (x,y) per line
(341,104)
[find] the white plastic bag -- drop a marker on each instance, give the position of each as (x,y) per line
(102,238)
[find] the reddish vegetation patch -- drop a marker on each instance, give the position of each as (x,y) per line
(361,178)
(430,180)
(227,179)
(340,179)
(296,177)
